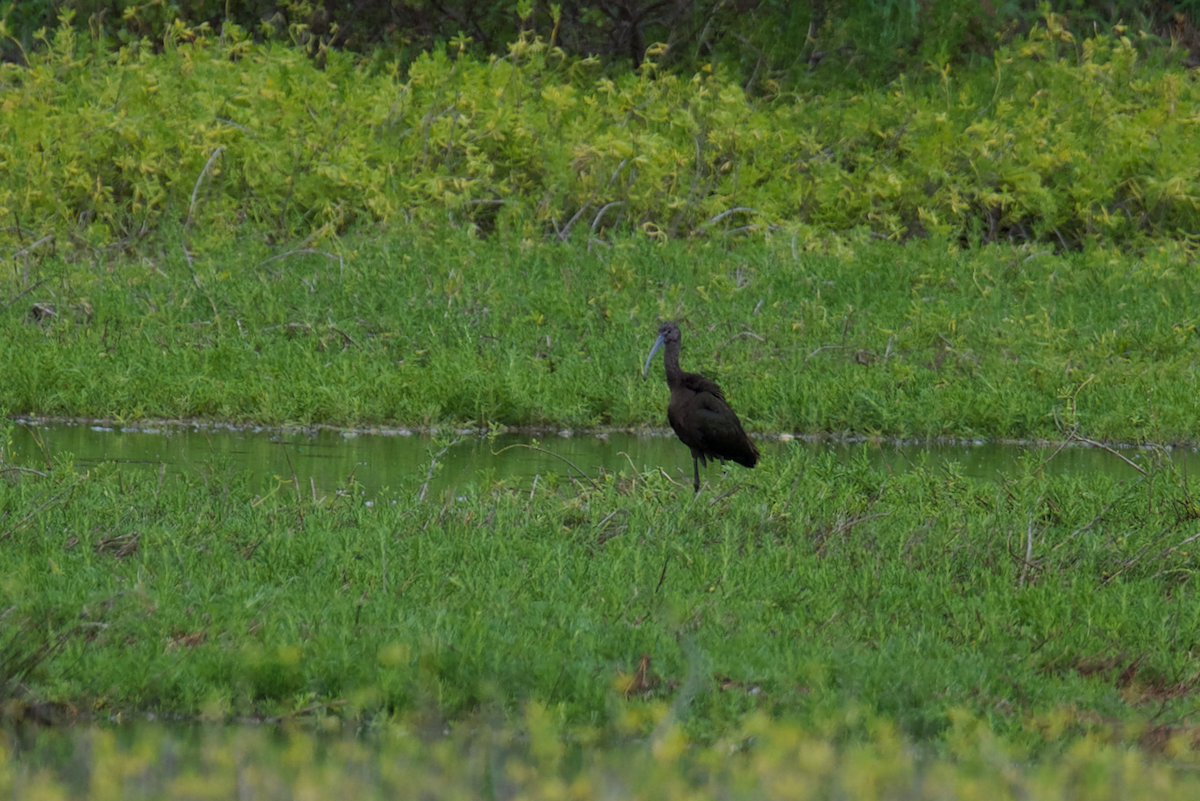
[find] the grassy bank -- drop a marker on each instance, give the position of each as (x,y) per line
(826,594)
(805,334)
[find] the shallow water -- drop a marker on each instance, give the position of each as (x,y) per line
(397,463)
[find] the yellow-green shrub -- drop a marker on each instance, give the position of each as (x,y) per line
(1060,142)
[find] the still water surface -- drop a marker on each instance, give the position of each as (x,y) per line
(397,464)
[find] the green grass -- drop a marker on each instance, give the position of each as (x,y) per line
(835,336)
(804,591)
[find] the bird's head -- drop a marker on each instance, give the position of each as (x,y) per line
(668,333)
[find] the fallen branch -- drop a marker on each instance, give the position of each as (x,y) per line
(196,188)
(550,453)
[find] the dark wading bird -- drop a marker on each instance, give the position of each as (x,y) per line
(698,411)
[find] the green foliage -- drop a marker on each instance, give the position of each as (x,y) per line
(811,588)
(1056,141)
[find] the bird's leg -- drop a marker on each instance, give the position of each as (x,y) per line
(696,466)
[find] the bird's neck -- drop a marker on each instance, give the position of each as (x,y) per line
(671,363)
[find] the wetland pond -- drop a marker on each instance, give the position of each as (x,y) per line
(395,463)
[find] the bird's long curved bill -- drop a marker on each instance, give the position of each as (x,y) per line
(658,343)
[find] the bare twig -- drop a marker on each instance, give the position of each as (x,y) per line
(551,453)
(429,475)
(196,188)
(233,124)
(823,347)
(716,219)
(306,252)
(42,241)
(33,514)
(1029,544)
(600,214)
(1120,456)
(1058,450)
(1157,556)
(345,336)
(22,294)
(16,469)
(749,334)
(667,476)
(1094,521)
(566,231)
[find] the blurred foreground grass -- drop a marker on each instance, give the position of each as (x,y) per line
(763,759)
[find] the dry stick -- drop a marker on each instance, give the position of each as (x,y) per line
(636,472)
(845,333)
(1058,450)
(31,515)
(1176,547)
(42,241)
(429,475)
(608,517)
(16,469)
(748,228)
(551,453)
(600,214)
(345,336)
(1095,519)
(746,333)
(1029,544)
(663,577)
(566,231)
(196,188)
(723,496)
(533,489)
(22,294)
(717,218)
(307,251)
(667,476)
(1157,556)
(1120,456)
(823,347)
(295,478)
(233,124)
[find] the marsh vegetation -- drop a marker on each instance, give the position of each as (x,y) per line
(224,228)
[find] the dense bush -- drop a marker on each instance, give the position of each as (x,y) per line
(1056,140)
(794,44)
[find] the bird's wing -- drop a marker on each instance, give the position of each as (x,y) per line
(699,384)
(720,432)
